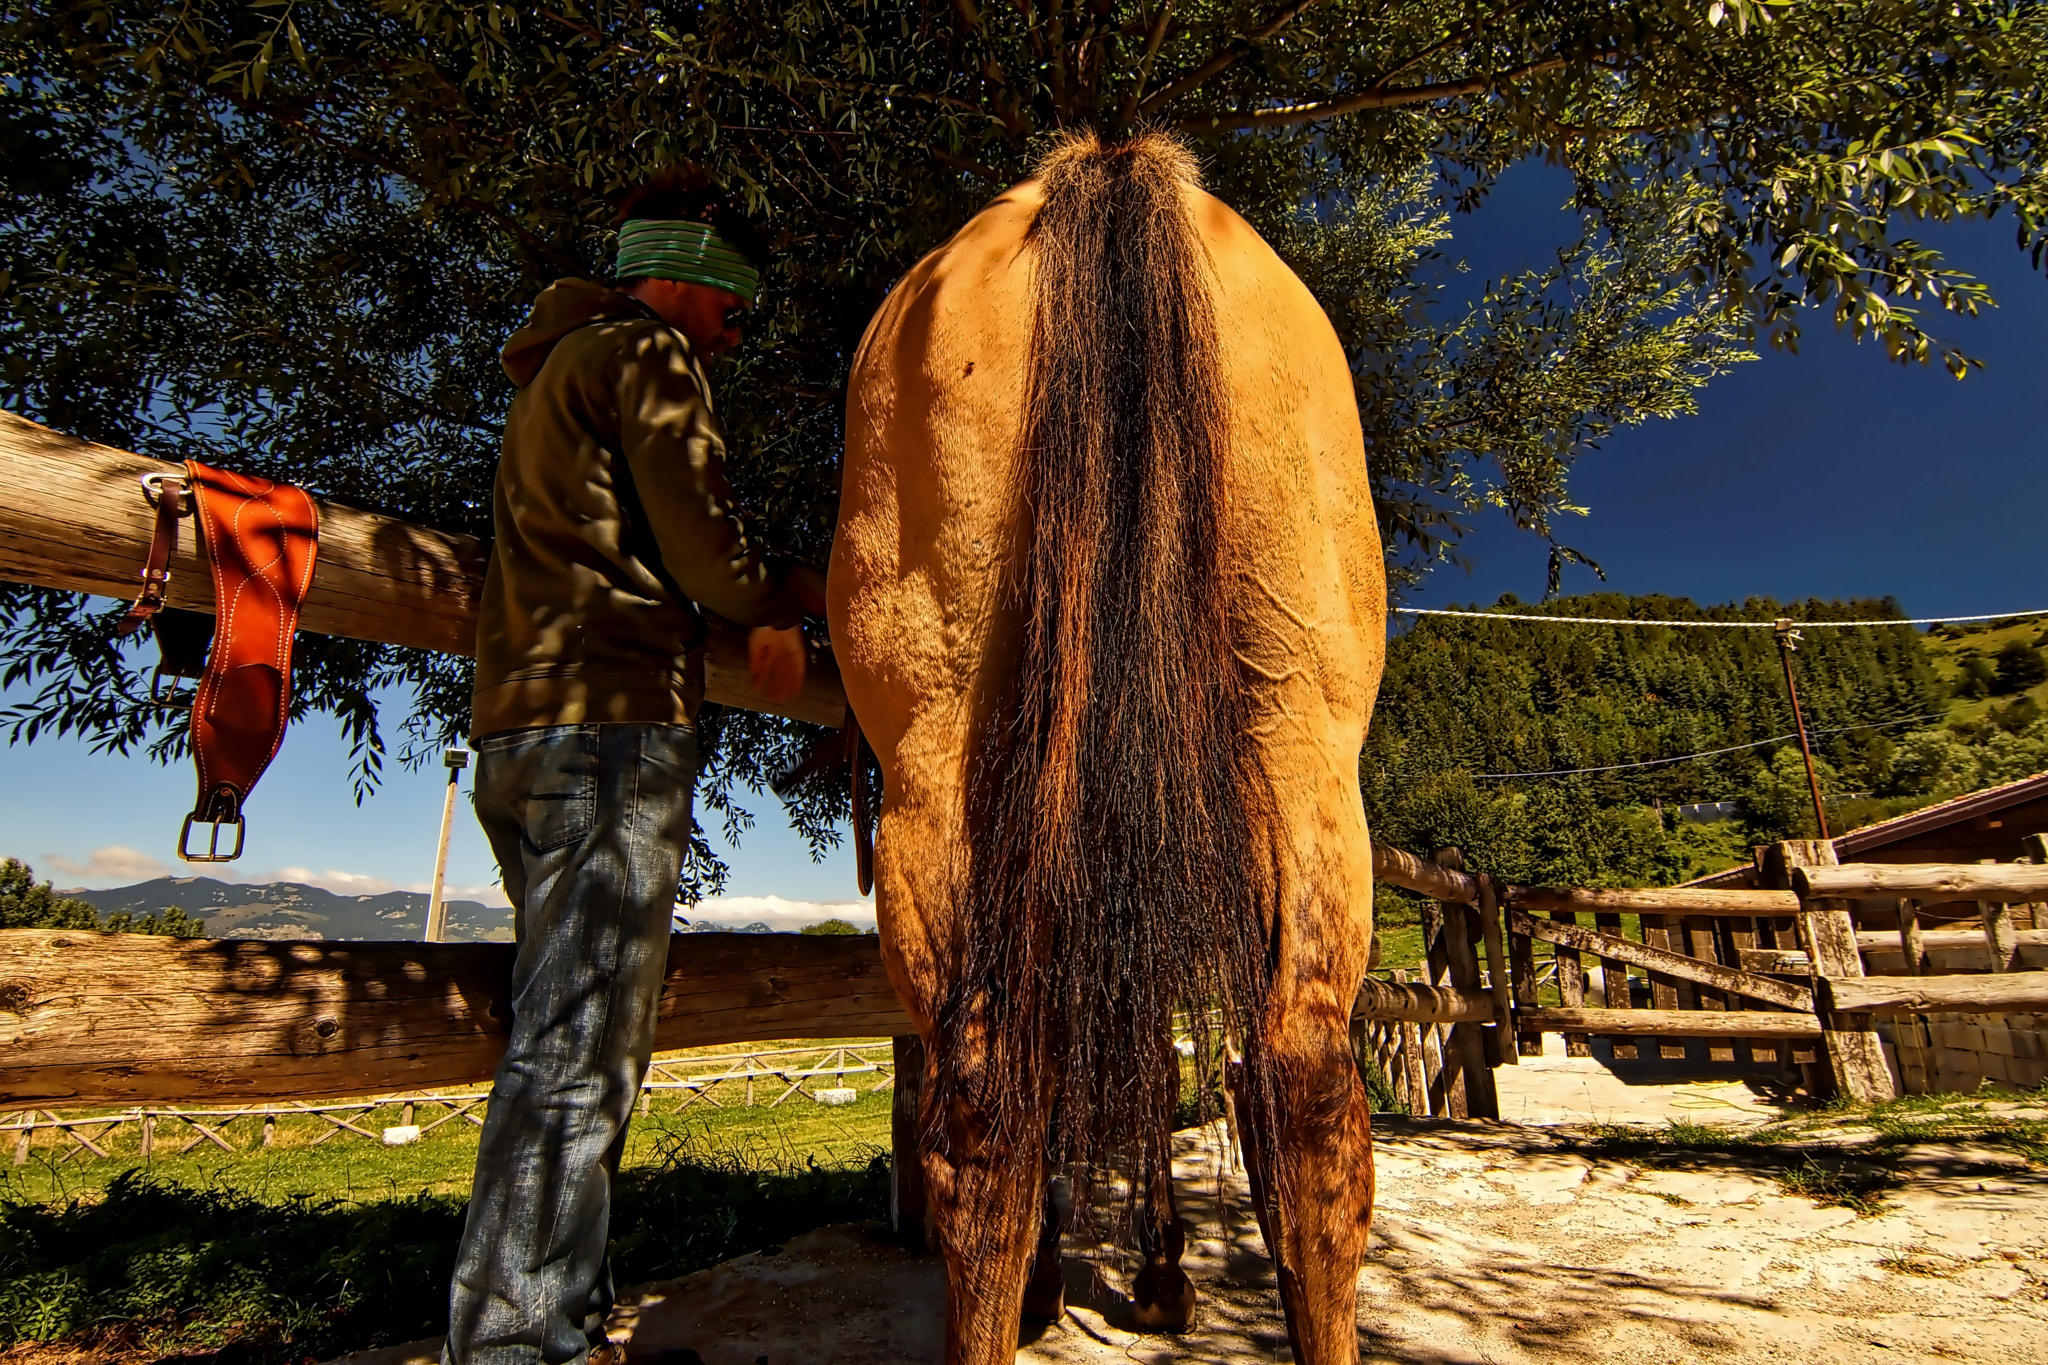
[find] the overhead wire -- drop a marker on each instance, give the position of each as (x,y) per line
(1681,758)
(1721,625)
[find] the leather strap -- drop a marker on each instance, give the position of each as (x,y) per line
(863,816)
(261,540)
(170,504)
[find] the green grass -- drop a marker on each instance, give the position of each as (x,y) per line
(298,1251)
(1856,1186)
(1948,647)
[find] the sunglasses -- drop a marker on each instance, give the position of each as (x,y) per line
(736,315)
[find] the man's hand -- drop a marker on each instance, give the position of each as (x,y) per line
(775,661)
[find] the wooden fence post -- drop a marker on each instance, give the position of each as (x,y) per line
(1855,1052)
(1447,1081)
(1522,963)
(1910,942)
(1412,1062)
(1614,984)
(1482,1101)
(908,1210)
(1507,1047)
(2000,942)
(1571,986)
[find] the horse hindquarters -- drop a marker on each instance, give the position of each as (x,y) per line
(1032,607)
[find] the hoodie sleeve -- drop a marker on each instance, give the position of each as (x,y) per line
(673,447)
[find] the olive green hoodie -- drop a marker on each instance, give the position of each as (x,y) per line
(613,514)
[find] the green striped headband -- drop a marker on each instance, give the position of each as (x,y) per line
(668,249)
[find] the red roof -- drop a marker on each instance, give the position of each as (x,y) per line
(1987,802)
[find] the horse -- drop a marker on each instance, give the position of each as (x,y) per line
(1108,600)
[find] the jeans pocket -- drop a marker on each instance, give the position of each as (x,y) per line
(561,803)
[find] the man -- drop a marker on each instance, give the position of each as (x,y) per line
(613,519)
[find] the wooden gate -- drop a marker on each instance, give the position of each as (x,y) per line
(1772,977)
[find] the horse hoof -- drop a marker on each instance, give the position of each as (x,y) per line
(1158,1306)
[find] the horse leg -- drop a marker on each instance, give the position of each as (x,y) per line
(986,1194)
(1045,1293)
(1314,1194)
(1162,1296)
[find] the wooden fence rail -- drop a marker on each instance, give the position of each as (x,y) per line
(1795,949)
(74,518)
(117,1019)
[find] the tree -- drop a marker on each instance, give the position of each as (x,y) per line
(289,237)
(1778,802)
(28,904)
(2020,666)
(831,928)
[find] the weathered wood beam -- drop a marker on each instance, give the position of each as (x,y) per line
(1422,1004)
(1935,940)
(1992,992)
(1792,961)
(1655,900)
(74,518)
(1855,1052)
(1925,881)
(1663,960)
(91,1018)
(1423,877)
(1675,1023)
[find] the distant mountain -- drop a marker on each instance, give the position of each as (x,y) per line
(289,910)
(705,926)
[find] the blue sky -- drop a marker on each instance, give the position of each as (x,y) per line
(1829,473)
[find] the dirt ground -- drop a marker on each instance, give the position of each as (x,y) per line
(1536,1241)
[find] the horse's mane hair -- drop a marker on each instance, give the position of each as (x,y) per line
(1115,867)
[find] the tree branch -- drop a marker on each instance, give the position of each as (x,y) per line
(795,77)
(1152,42)
(1373,97)
(1224,57)
(533,241)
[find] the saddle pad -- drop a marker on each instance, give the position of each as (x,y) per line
(261,540)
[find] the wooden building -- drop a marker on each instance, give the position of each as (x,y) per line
(1992,825)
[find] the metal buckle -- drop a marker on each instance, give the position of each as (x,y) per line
(153,487)
(223,808)
(175,697)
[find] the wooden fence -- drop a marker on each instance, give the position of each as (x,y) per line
(1781,976)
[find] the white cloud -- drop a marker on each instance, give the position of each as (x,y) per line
(777,912)
(110,864)
(333,879)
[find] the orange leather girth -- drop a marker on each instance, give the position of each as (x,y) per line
(261,538)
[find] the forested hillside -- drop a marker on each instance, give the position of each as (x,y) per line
(1465,701)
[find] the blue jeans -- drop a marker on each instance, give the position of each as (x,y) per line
(588,823)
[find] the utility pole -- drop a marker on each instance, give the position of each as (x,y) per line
(1788,640)
(437,908)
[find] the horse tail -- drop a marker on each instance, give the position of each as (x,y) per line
(1113,874)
